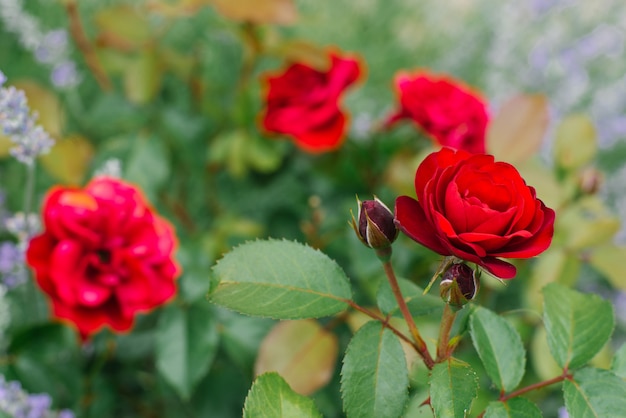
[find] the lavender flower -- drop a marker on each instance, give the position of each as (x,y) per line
(12,272)
(19,404)
(19,124)
(50,48)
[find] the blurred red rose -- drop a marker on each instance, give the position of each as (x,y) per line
(104,255)
(445,109)
(303,102)
(476,209)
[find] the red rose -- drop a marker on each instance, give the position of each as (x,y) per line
(103,256)
(303,102)
(448,111)
(475,209)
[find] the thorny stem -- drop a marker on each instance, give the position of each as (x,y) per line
(447,320)
(78,34)
(384,321)
(503,398)
(395,288)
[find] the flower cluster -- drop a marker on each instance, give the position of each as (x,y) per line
(104,255)
(302,102)
(17,403)
(19,124)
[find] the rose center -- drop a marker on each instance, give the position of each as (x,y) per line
(104,256)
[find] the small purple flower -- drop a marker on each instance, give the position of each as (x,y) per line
(19,124)
(17,403)
(64,74)
(12,271)
(53,47)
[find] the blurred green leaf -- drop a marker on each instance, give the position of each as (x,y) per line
(69,159)
(282,12)
(554,265)
(302,352)
(241,337)
(513,408)
(271,397)
(609,260)
(46,360)
(193,284)
(111,114)
(147,165)
(123,26)
(500,348)
(578,325)
(544,365)
(187,341)
(374,377)
(594,393)
(618,366)
(280,279)
(587,223)
(575,144)
(453,387)
(418,303)
(142,77)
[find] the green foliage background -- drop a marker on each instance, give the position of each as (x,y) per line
(182,117)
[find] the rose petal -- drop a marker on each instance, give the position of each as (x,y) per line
(410,219)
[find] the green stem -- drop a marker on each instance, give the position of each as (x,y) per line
(28,196)
(384,321)
(447,320)
(420,345)
(539,385)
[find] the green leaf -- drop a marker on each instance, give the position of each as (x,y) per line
(578,325)
(142,77)
(45,359)
(608,260)
(418,303)
(575,144)
(453,387)
(271,397)
(374,376)
(513,408)
(500,348)
(618,366)
(280,279)
(241,337)
(187,340)
(595,393)
(148,165)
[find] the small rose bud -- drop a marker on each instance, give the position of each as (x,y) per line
(590,180)
(375,226)
(459,285)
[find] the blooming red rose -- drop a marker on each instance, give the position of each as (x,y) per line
(103,256)
(303,102)
(476,209)
(445,109)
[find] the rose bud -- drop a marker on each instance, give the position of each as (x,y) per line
(375,226)
(590,180)
(459,285)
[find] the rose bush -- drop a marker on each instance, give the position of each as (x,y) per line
(449,112)
(476,209)
(104,255)
(303,103)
